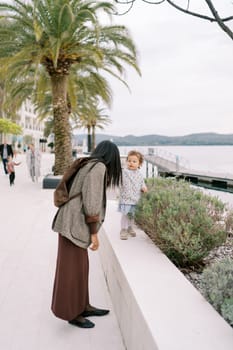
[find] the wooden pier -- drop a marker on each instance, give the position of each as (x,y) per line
(173,168)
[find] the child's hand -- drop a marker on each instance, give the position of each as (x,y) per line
(144,189)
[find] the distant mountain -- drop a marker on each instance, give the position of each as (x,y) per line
(209,139)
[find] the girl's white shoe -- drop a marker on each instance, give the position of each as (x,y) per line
(124,234)
(131,231)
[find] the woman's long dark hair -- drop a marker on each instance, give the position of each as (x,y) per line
(108,153)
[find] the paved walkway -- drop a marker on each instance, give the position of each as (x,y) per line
(27,266)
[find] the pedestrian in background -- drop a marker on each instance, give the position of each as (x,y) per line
(78,222)
(33,158)
(130,192)
(11,169)
(6,150)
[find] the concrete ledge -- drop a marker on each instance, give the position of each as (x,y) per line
(156,306)
(51,181)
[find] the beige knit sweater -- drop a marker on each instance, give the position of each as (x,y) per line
(72,219)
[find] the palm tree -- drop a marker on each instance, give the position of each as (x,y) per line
(8,106)
(1,97)
(83,120)
(99,120)
(90,117)
(83,93)
(59,37)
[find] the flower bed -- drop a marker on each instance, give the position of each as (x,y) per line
(156,306)
(192,229)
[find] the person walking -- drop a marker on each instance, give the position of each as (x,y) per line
(77,223)
(6,150)
(11,169)
(130,192)
(33,159)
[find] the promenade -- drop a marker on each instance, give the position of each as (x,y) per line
(28,249)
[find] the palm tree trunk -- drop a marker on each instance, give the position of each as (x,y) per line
(88,139)
(93,138)
(62,129)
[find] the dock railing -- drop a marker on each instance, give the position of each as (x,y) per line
(158,159)
(170,165)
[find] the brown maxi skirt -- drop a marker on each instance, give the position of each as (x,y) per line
(70,291)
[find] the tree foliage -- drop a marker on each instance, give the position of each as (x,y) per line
(56,44)
(8,127)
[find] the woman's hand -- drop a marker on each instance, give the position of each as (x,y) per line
(94,241)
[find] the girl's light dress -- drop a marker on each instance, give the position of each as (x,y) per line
(130,191)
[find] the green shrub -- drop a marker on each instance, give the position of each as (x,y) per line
(229,221)
(217,287)
(227,310)
(183,221)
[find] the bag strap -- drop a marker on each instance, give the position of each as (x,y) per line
(70,198)
(74,196)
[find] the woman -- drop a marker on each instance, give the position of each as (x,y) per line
(78,223)
(33,158)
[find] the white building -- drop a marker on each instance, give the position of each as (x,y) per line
(32,127)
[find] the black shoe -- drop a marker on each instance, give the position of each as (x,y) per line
(85,324)
(95,312)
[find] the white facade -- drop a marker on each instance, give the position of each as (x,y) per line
(30,124)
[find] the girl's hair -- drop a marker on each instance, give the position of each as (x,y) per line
(137,154)
(108,153)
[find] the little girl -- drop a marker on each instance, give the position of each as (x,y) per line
(11,170)
(130,191)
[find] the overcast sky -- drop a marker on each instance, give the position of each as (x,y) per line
(187,74)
